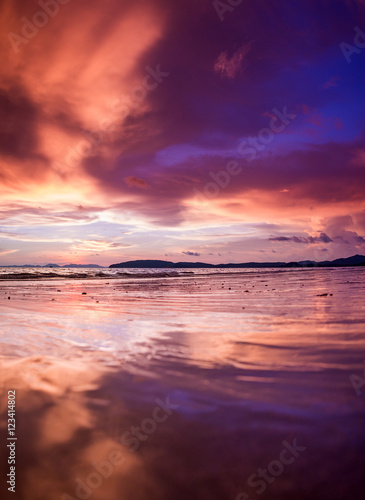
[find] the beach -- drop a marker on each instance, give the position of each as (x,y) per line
(234,385)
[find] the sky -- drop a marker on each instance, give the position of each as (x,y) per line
(185,130)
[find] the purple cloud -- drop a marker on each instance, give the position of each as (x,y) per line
(309,240)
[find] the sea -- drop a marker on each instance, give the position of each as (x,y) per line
(199,384)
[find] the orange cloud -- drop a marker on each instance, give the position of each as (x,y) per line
(132,181)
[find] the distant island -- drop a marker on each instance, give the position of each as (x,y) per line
(355,260)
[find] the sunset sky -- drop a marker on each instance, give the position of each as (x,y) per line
(185,130)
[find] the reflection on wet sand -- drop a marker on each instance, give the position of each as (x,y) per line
(187,388)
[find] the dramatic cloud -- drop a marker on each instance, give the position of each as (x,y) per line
(343,230)
(171,124)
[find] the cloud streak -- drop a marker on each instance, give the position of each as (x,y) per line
(192,254)
(322,238)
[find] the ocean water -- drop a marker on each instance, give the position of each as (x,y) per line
(33,273)
(176,384)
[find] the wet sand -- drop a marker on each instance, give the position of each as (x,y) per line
(223,386)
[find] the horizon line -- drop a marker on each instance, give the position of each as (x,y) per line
(179,262)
